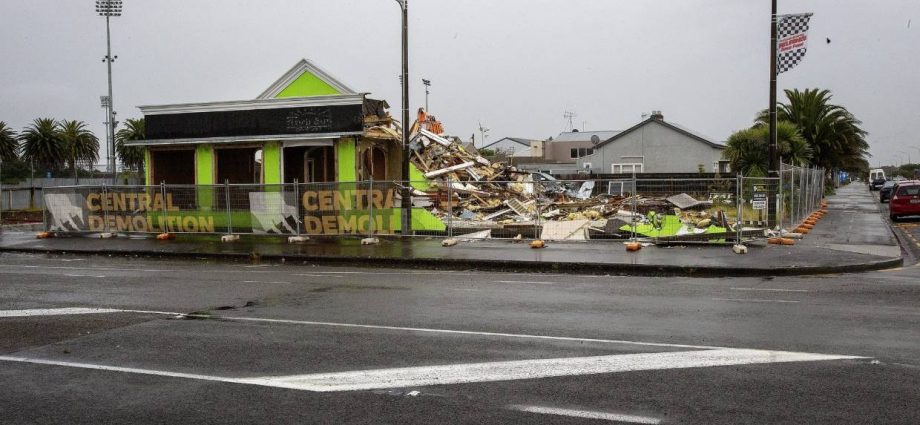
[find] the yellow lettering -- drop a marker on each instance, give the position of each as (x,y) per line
(157,202)
(377,199)
(123,224)
(95,223)
(206,224)
(389,198)
(307,204)
(118,202)
(190,224)
(312,224)
(144,200)
(107,202)
(342,200)
(325,200)
(329,224)
(92,202)
(347,225)
(140,223)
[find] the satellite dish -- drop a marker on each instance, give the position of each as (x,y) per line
(595,140)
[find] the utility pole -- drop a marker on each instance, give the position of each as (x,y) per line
(773,151)
(774,154)
(407,191)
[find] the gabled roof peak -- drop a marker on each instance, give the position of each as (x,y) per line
(303,66)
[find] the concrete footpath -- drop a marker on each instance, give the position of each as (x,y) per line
(852,237)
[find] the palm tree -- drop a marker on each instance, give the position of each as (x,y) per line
(131,156)
(832,132)
(9,143)
(42,143)
(80,143)
(748,150)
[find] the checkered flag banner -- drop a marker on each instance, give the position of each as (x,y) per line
(792,40)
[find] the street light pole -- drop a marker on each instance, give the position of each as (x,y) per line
(109,8)
(427,84)
(407,191)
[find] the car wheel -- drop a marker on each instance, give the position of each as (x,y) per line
(893,217)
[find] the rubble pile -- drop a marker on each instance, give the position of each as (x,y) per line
(475,193)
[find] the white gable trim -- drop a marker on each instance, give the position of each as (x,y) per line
(303,66)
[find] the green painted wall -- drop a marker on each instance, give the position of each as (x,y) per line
(271,162)
(347,156)
(204,164)
(148,169)
(307,85)
(204,175)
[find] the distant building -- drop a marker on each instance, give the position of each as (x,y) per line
(654,146)
(512,146)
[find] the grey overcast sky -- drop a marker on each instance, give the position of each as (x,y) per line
(514,65)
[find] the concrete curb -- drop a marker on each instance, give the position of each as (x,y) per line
(496,265)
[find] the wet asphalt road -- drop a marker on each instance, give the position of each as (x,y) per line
(154,365)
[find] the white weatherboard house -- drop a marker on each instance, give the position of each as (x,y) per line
(655,146)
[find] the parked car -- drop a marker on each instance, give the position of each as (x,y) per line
(877,183)
(905,200)
(884,193)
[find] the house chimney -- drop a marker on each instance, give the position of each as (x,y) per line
(656,115)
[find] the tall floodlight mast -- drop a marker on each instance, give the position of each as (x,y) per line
(108,9)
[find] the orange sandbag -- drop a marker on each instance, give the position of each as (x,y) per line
(788,241)
(775,241)
(633,246)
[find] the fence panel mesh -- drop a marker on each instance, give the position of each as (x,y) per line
(678,210)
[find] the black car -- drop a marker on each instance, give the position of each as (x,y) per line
(876,184)
(884,194)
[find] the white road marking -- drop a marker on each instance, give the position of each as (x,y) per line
(524,281)
(55,312)
(81,275)
(317,275)
(749,300)
(769,289)
(530,369)
(115,269)
(118,369)
(587,414)
(482,372)
(262,281)
(387,273)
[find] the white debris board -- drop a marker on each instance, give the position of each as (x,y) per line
(575,230)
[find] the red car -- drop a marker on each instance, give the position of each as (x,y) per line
(905,199)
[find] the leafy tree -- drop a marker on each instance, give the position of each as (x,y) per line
(79,143)
(131,157)
(832,132)
(9,143)
(748,151)
(42,143)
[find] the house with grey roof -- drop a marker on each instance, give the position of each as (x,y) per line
(655,146)
(513,146)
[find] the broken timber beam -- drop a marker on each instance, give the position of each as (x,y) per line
(449,169)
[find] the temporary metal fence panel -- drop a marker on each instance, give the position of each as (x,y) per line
(759,201)
(803,190)
(662,210)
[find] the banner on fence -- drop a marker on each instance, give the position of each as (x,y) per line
(325,212)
